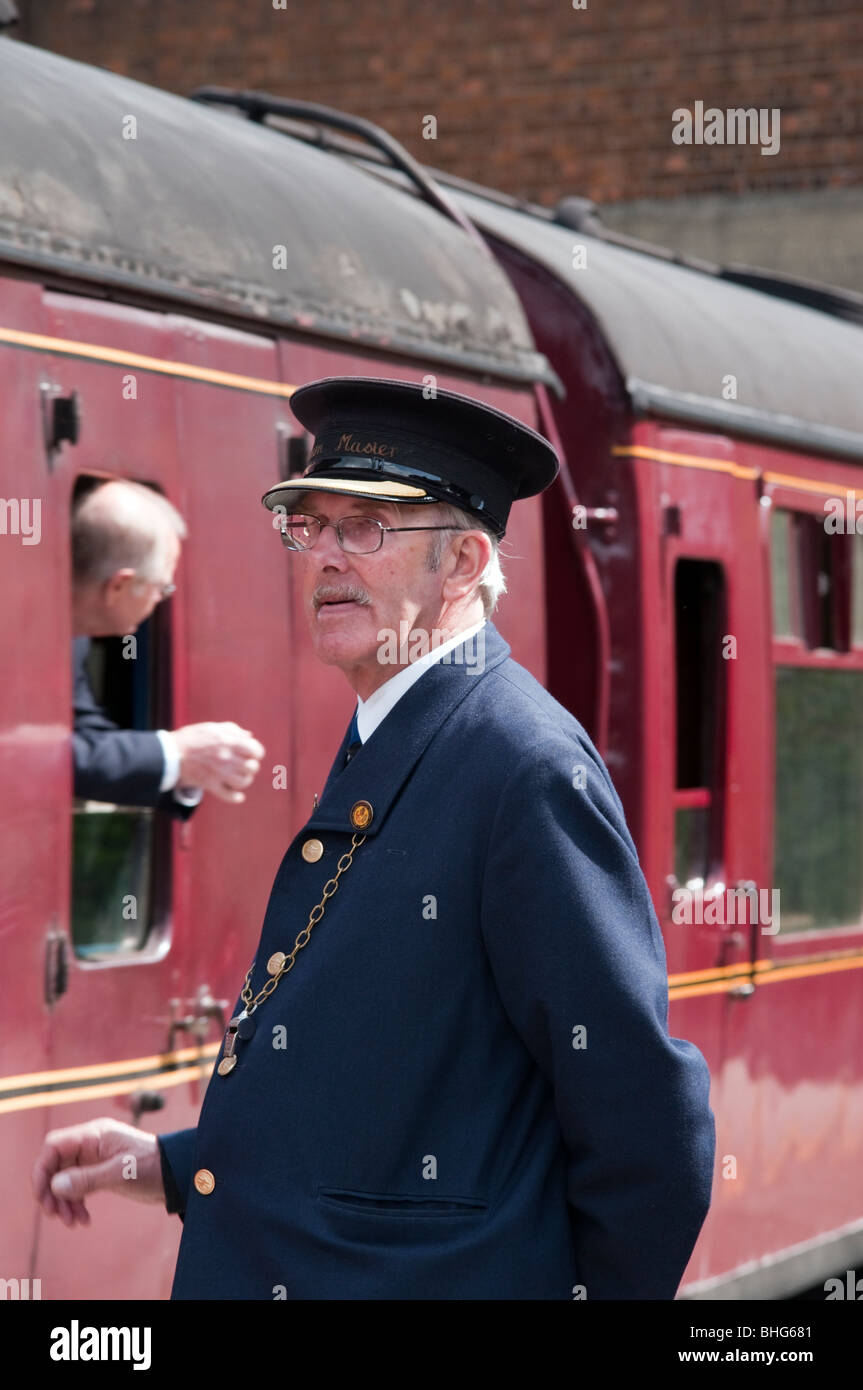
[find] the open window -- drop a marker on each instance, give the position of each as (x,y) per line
(121,854)
(700,611)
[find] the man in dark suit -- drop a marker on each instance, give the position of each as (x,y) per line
(452,1078)
(125,548)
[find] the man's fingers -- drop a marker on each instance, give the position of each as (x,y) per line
(70,1185)
(242,750)
(239,776)
(76,1214)
(66,1213)
(242,741)
(231,777)
(61,1148)
(225,794)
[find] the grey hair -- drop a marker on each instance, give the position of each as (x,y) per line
(122,525)
(492,584)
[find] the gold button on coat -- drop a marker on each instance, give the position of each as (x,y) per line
(312,851)
(204,1181)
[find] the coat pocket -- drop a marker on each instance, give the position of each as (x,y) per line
(397,1204)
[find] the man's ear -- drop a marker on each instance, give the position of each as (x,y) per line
(115,586)
(472,551)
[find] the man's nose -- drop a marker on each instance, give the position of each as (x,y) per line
(328,551)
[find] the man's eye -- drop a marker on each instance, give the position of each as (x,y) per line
(359,526)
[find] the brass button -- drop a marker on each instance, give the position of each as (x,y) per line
(312,851)
(204,1181)
(361,814)
(275,963)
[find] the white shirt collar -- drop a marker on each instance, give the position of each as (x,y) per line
(372,711)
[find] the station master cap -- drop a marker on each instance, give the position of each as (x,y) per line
(387,441)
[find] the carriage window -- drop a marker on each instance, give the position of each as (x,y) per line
(821,573)
(818,866)
(699,602)
(120,853)
(811,581)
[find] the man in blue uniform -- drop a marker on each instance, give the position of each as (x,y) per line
(449,1074)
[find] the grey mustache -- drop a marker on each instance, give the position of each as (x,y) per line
(340,595)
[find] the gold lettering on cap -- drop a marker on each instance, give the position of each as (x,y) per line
(348,445)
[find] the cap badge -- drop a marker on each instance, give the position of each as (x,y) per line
(361,815)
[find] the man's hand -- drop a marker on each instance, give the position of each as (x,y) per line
(101,1156)
(221,758)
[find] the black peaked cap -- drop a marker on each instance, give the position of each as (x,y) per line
(395,441)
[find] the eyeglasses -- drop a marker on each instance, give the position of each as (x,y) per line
(357,535)
(165,590)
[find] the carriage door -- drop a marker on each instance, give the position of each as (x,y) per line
(120,951)
(34,715)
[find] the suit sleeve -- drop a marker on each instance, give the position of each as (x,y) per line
(111,764)
(579,961)
(176,1154)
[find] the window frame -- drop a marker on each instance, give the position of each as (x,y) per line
(161,875)
(788,651)
(711,798)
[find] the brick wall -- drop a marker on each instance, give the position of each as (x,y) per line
(531,96)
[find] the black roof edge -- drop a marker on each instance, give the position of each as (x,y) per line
(740,420)
(830,299)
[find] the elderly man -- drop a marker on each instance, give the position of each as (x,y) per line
(449,1074)
(125,547)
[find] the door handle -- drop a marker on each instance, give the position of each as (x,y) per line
(142,1102)
(203,1009)
(56,965)
(747,989)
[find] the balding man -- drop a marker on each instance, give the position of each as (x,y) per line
(125,547)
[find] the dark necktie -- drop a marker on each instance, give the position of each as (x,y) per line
(354,740)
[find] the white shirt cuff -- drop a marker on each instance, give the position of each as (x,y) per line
(187,796)
(171,754)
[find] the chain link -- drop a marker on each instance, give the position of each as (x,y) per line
(315,916)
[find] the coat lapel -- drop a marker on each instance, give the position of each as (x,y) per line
(378,771)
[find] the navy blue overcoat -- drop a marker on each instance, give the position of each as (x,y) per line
(465,1087)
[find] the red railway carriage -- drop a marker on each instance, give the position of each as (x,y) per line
(714,436)
(167,275)
(159,299)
